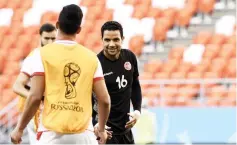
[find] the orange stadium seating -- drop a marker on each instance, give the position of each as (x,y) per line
(218,60)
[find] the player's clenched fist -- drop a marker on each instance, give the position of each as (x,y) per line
(16,135)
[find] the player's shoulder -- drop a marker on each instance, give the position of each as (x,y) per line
(45,48)
(100,55)
(128,53)
(31,54)
(87,51)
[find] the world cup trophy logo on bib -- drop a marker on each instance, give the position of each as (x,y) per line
(71,74)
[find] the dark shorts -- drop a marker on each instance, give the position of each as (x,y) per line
(126,138)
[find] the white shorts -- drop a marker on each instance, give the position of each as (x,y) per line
(50,137)
(31,132)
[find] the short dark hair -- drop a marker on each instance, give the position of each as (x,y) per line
(47,28)
(112,26)
(70,19)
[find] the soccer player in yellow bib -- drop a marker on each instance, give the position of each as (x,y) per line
(67,73)
(22,84)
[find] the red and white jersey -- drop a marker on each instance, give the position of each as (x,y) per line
(27,64)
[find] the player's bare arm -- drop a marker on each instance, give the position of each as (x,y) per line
(19,85)
(32,104)
(103,98)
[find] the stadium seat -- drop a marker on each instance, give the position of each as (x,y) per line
(218,65)
(98,25)
(160,29)
(203,65)
(195,76)
(170,14)
(131,2)
(209,76)
(18,15)
(170,65)
(176,53)
(147,2)
(232,92)
(167,95)
(154,12)
(87,3)
(177,76)
(217,39)
(153,66)
(91,41)
(187,91)
(107,15)
(209,54)
(14,4)
(183,17)
(227,51)
(185,95)
(214,48)
(231,40)
(184,67)
(213,102)
(206,6)
(202,38)
(218,91)
(82,37)
(231,69)
(31,30)
(3,3)
(8,41)
(136,44)
(94,12)
(7,96)
(140,11)
(26,4)
(145,76)
(151,92)
(49,16)
(192,5)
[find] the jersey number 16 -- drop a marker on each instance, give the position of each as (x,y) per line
(122,82)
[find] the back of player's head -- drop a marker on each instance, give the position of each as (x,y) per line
(70,19)
(47,28)
(112,26)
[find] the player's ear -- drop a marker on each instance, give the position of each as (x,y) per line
(57,25)
(78,30)
(122,38)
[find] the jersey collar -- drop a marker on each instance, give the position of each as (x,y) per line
(66,42)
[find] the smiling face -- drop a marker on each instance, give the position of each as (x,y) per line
(112,43)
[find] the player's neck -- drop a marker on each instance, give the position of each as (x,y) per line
(112,58)
(62,36)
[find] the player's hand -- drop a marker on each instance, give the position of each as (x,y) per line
(102,137)
(16,136)
(135,116)
(109,133)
